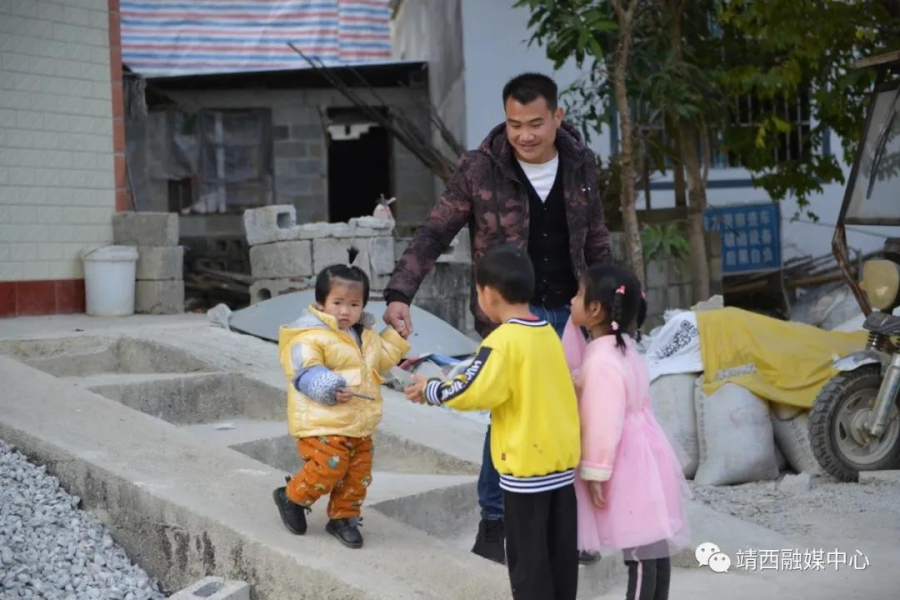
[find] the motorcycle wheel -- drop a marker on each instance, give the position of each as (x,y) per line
(837,420)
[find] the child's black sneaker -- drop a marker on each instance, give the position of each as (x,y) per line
(491,541)
(292,515)
(346,531)
(588,558)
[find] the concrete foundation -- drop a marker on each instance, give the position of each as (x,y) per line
(160,263)
(145,229)
(159,297)
(179,451)
(282,260)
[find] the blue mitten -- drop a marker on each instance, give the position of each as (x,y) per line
(319,384)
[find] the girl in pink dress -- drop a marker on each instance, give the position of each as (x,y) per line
(629,485)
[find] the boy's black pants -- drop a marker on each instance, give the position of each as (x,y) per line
(542,544)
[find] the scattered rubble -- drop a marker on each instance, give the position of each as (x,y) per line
(826,508)
(51,549)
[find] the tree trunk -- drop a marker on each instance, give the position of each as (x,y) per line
(696,206)
(634,250)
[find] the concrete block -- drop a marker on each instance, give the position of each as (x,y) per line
(145,229)
(159,297)
(277,223)
(266,289)
(333,251)
(375,256)
(158,263)
(374,223)
(314,231)
(381,256)
(282,260)
(214,588)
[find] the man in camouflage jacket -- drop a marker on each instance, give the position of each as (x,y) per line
(531,183)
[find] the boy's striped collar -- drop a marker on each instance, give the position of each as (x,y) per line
(528,322)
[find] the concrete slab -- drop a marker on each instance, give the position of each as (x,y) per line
(153,483)
(182,507)
(430,335)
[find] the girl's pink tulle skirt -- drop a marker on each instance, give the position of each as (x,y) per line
(644,506)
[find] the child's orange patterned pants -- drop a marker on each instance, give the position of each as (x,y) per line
(336,465)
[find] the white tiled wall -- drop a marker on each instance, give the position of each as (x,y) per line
(57,183)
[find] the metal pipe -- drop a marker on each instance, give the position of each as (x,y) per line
(887,395)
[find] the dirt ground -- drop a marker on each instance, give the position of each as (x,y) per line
(829,516)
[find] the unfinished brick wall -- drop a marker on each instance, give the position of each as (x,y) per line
(285,257)
(59,68)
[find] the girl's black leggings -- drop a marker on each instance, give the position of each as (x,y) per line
(649,579)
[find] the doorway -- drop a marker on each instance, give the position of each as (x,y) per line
(359,165)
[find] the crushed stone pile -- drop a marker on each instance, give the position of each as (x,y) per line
(51,549)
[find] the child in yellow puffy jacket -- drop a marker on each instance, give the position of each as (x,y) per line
(332,358)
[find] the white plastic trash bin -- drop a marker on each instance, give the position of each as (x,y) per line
(109,281)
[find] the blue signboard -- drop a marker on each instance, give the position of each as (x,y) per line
(751,236)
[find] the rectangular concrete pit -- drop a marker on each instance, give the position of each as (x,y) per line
(214,588)
(203,398)
(90,356)
(271,224)
(159,297)
(282,260)
(145,229)
(449,514)
(158,263)
(391,454)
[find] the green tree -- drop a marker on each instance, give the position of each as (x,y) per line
(690,65)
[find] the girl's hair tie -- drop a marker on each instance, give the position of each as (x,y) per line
(621,290)
(615,325)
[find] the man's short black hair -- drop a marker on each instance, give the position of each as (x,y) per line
(345,273)
(528,87)
(508,270)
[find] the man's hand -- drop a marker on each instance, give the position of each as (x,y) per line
(416,392)
(343,395)
(598,493)
(397,316)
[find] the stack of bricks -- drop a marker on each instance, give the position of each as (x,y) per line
(285,256)
(160,268)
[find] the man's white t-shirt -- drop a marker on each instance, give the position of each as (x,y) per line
(541,176)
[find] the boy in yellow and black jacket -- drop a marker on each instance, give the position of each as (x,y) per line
(520,374)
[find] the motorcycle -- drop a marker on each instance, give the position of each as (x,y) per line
(854,424)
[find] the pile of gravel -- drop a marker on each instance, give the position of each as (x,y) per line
(51,549)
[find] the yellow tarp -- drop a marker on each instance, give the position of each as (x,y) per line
(793,361)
